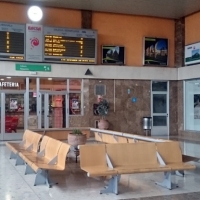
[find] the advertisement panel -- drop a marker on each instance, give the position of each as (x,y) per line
(155,51)
(34,43)
(113,55)
(192,54)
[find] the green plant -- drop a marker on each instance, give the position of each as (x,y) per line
(103,108)
(76,132)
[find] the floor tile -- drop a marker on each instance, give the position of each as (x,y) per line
(73,184)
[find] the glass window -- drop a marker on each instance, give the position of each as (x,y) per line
(159,86)
(53,84)
(159,103)
(32,84)
(192,105)
(14,113)
(159,121)
(75,84)
(12,83)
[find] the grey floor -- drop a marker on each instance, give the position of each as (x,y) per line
(74,184)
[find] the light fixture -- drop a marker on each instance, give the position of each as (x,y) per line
(49,79)
(35,13)
(8,77)
(2,79)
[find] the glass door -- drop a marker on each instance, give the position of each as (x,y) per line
(160,109)
(13,115)
(1,118)
(54,110)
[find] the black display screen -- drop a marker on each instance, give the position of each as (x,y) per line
(11,45)
(69,49)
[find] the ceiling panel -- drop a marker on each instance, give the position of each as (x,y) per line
(159,8)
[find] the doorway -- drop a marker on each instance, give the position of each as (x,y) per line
(53,110)
(160,108)
(13,117)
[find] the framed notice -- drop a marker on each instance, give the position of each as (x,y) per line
(192,54)
(155,51)
(13,103)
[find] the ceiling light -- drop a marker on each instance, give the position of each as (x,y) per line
(49,79)
(8,77)
(35,13)
(2,79)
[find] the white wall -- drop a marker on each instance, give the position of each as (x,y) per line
(98,71)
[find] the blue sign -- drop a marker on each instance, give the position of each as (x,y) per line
(134,99)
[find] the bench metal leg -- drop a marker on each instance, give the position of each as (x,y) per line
(180,173)
(19,160)
(42,177)
(112,186)
(12,155)
(167,182)
(29,170)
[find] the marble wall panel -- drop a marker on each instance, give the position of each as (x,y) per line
(124,115)
(173,105)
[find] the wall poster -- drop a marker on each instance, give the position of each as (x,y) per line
(192,54)
(13,103)
(155,51)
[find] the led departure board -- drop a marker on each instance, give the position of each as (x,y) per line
(12,45)
(70,45)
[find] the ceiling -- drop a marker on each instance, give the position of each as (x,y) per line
(158,8)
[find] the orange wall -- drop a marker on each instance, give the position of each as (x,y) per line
(192,28)
(128,31)
(17,13)
(114,29)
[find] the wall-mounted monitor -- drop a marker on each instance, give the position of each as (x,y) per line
(113,55)
(192,54)
(12,41)
(67,45)
(155,51)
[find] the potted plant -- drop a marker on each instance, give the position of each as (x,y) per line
(102,109)
(76,137)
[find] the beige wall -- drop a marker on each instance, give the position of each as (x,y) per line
(192,28)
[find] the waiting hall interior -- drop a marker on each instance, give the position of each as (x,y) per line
(99,100)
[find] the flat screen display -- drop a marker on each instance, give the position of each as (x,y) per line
(70,45)
(12,46)
(113,55)
(155,51)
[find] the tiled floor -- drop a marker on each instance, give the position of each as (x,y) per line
(187,196)
(75,185)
